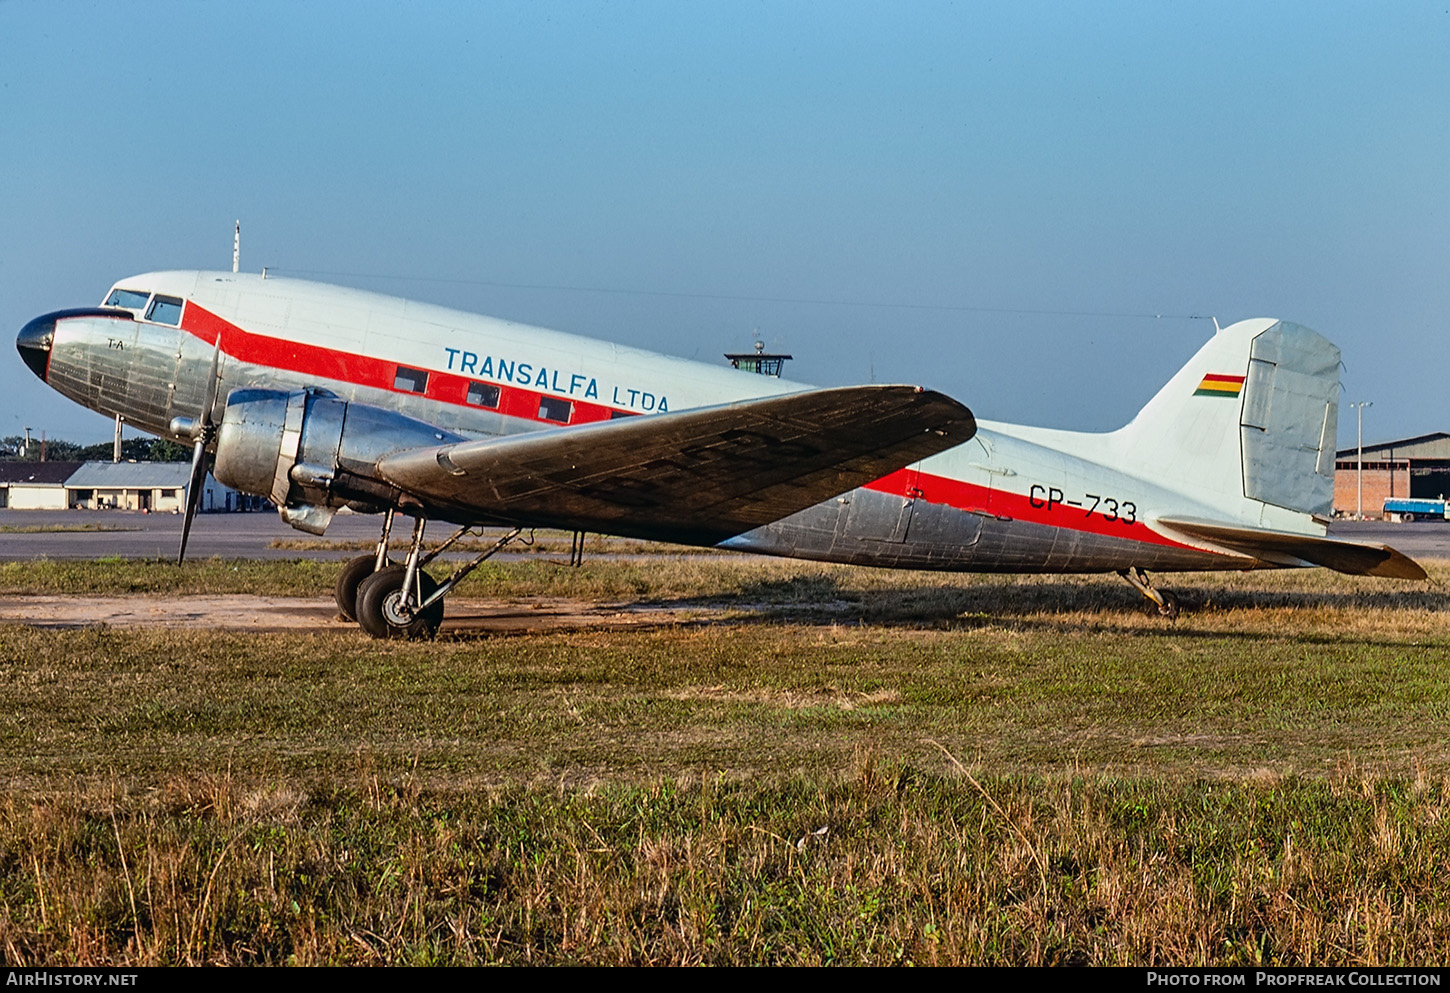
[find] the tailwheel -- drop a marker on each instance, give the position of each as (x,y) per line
(384,611)
(351,577)
(1165,602)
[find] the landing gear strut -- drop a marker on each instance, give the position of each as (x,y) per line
(401,600)
(1164,600)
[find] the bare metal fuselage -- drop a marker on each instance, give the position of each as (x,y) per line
(1009,500)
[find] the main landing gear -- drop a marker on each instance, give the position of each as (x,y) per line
(400,600)
(1164,600)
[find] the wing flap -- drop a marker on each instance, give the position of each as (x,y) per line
(1351,557)
(696,476)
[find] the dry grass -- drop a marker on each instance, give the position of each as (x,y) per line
(1265,781)
(879,866)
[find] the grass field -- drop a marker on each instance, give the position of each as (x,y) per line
(822,765)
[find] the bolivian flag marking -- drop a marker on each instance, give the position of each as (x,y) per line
(1214,385)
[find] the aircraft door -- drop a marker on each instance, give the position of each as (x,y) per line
(989,480)
(883,514)
(940,529)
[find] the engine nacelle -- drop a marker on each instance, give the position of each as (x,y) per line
(311,453)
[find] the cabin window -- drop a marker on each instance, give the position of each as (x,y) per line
(615,415)
(130,299)
(410,380)
(555,409)
(483,394)
(165,310)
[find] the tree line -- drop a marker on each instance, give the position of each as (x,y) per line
(13,449)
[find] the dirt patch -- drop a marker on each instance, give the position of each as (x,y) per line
(245,612)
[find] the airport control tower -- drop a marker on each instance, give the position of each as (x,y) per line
(758,361)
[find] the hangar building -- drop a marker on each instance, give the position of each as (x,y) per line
(1410,467)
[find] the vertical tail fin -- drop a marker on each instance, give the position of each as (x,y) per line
(1248,425)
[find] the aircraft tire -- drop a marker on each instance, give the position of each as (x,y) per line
(377,598)
(1171,607)
(351,577)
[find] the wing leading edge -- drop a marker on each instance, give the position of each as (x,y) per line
(696,476)
(1352,557)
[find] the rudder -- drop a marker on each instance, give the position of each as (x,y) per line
(1290,420)
(1253,417)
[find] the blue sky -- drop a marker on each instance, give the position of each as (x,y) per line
(993,200)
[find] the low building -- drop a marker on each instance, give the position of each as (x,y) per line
(159,487)
(154,486)
(35,485)
(1410,467)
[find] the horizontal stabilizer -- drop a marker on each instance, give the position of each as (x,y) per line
(694,476)
(1352,557)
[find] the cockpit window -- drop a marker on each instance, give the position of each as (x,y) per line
(130,299)
(165,310)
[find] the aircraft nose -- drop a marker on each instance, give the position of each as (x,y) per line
(33,343)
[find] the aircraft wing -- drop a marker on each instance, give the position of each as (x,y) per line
(696,476)
(1352,557)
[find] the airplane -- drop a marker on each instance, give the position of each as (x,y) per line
(319,397)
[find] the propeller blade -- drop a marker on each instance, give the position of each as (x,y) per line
(203,431)
(193,494)
(212,381)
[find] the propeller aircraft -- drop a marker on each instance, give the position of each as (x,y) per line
(320,397)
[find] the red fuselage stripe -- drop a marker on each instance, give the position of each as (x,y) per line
(363,370)
(1014,506)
